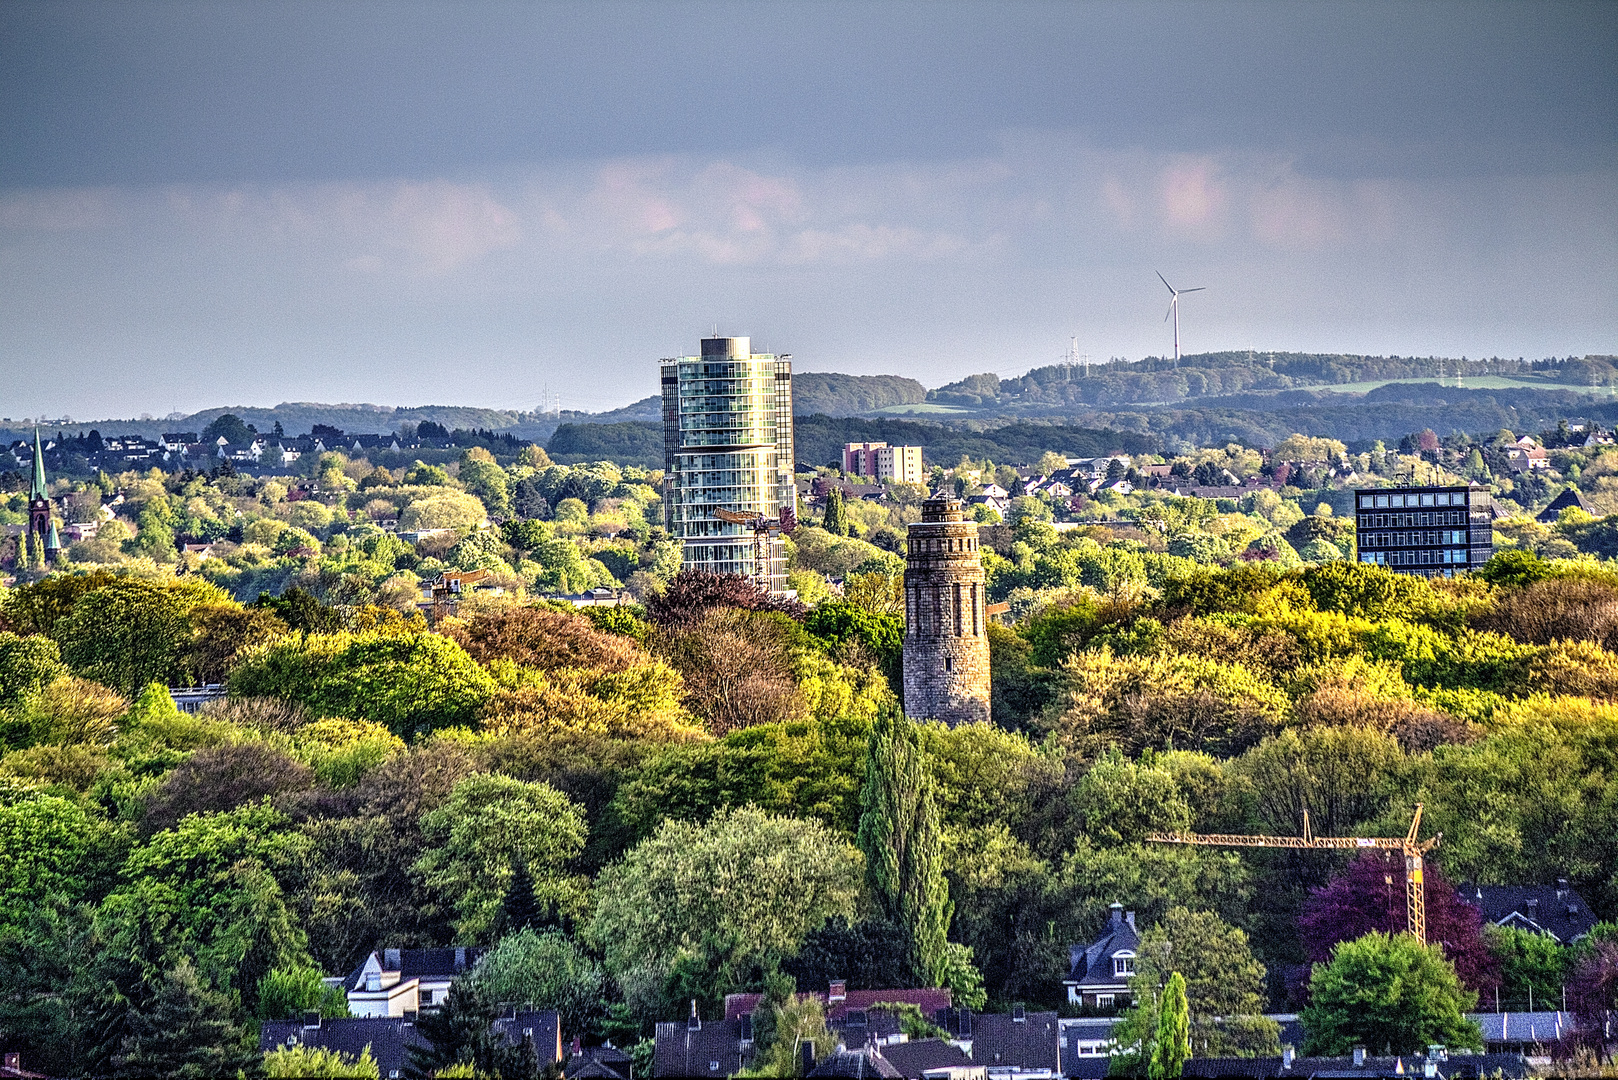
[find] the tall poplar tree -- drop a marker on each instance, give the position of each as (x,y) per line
(836,521)
(899,834)
(1173,1043)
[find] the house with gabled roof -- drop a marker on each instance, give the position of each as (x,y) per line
(1557,911)
(397,981)
(1098,973)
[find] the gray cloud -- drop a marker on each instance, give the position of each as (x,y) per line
(248,203)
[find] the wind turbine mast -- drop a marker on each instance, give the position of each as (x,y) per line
(1174,309)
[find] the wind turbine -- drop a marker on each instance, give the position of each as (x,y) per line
(1174,310)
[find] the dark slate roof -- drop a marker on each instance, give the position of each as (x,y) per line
(1455,1067)
(1523,1027)
(542,1026)
(598,1061)
(1089,1067)
(1093,965)
(388,1037)
(1033,1042)
(1557,909)
(417,964)
(912,1059)
(1569,498)
(864,1062)
(714,1049)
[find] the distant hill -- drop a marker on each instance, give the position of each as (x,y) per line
(851,395)
(633,442)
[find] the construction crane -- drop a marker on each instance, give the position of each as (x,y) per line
(762,528)
(1413,849)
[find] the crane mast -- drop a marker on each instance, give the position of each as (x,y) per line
(1412,848)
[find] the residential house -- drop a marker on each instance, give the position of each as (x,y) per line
(11,1069)
(1362,1066)
(839,1001)
(1026,1043)
(391,1038)
(1098,974)
(932,1059)
(396,981)
(1569,499)
(1522,1032)
(697,1047)
(1087,1037)
(1557,911)
(596,1063)
(862,1062)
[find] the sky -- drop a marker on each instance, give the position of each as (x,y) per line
(475,203)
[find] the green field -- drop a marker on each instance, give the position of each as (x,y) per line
(1476,382)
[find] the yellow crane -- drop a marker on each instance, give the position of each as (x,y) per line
(762,528)
(1413,849)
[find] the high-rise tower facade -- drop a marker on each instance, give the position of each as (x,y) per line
(727,445)
(946,646)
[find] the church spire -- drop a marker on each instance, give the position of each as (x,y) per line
(36,488)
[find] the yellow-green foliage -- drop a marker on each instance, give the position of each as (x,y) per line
(298,1062)
(1162,701)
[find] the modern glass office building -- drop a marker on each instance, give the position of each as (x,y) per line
(1431,531)
(727,444)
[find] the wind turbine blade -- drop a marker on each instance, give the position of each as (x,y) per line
(1199,288)
(1165,282)
(1171,308)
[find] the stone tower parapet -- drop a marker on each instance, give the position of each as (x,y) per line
(946,645)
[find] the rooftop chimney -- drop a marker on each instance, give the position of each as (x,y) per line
(390,959)
(578,1046)
(1018,1014)
(1117,913)
(695,1022)
(460,958)
(1129,917)
(1286,1056)
(1359,1057)
(1561,888)
(1533,908)
(838,992)
(14,1062)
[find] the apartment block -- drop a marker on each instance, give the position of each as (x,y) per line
(879,461)
(1431,531)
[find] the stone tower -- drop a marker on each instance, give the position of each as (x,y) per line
(946,651)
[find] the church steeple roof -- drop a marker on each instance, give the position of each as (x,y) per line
(36,486)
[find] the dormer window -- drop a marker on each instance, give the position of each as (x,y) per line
(1123,963)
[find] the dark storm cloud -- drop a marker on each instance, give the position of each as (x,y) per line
(471,202)
(151,92)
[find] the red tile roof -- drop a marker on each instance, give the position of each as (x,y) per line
(929,1001)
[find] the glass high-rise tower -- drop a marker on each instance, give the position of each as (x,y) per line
(727,444)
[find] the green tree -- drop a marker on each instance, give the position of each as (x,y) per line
(131,632)
(411,683)
(188,1032)
(487,825)
(45,842)
(487,480)
(697,910)
(1119,801)
(290,991)
(904,862)
(1172,1045)
(1389,994)
(546,970)
(836,520)
(1223,982)
(299,1062)
(27,666)
(204,890)
(1533,967)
